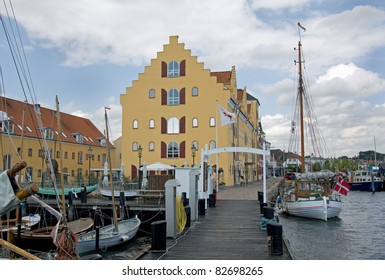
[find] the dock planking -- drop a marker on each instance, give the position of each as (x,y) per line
(229,231)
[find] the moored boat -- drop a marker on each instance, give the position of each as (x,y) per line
(310,194)
(118,232)
(51,192)
(365,180)
(311,198)
(108,236)
(26,222)
(42,238)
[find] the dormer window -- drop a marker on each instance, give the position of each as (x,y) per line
(102,141)
(37,108)
(78,137)
(8,126)
(48,133)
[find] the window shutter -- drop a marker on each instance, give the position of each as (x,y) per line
(182,149)
(182,125)
(164,97)
(164,69)
(182,96)
(182,68)
(163,126)
(163,150)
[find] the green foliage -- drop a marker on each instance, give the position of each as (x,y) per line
(370,155)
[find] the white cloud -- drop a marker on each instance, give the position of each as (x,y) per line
(350,81)
(91,32)
(279,4)
(338,52)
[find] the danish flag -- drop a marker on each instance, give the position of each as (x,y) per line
(342,186)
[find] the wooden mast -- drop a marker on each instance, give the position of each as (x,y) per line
(61,159)
(21,145)
(110,173)
(300,92)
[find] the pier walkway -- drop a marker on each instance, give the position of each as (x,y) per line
(229,231)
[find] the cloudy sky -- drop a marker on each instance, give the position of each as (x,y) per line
(88,51)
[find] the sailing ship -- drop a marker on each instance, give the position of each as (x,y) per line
(117,233)
(308,194)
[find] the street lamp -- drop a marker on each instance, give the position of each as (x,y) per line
(193,150)
(89,164)
(140,149)
(42,166)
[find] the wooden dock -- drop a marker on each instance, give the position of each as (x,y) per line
(229,231)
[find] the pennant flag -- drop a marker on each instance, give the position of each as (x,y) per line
(303,28)
(342,186)
(226,116)
(107,108)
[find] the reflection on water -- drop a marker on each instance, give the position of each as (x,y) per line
(357,234)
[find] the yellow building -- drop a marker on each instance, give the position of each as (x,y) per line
(21,140)
(172,107)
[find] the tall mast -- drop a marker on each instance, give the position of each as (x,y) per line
(61,158)
(110,173)
(300,92)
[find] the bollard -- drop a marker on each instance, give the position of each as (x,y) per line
(268,212)
(274,238)
(158,235)
(122,204)
(201,207)
(260,196)
(70,198)
(187,209)
(212,200)
(184,199)
(83,195)
(262,204)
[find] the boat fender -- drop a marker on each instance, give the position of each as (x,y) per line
(124,238)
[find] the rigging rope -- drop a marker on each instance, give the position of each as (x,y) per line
(16,47)
(316,144)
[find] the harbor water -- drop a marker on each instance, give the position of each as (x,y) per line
(357,234)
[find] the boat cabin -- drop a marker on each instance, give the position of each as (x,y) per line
(307,190)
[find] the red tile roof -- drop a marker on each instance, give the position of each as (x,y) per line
(70,124)
(223,77)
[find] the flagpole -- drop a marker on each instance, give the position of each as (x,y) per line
(217,146)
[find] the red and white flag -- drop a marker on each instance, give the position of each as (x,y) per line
(226,116)
(342,186)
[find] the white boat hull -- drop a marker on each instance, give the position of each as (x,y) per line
(108,193)
(108,237)
(315,209)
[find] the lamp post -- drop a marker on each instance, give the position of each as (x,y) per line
(140,149)
(284,163)
(89,164)
(42,166)
(193,150)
